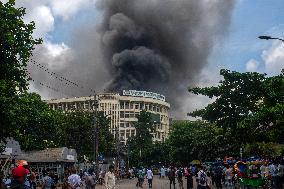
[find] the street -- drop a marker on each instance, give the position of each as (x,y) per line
(157,184)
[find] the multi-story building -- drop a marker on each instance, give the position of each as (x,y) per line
(123,110)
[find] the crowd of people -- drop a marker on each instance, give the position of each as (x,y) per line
(22,177)
(235,174)
(251,174)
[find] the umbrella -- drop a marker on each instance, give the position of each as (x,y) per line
(196,162)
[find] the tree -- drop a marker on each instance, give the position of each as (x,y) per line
(16,46)
(78,132)
(106,139)
(189,140)
(35,125)
(249,106)
(140,145)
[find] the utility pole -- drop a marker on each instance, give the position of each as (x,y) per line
(96,135)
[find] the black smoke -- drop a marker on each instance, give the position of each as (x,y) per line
(160,45)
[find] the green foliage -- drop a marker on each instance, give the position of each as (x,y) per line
(34,123)
(140,145)
(262,149)
(248,106)
(106,139)
(76,130)
(191,140)
(16,45)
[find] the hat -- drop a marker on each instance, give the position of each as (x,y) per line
(22,163)
(19,172)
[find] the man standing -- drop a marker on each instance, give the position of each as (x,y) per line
(150,177)
(74,180)
(110,178)
(19,178)
(202,179)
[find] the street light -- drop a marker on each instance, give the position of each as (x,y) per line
(265,37)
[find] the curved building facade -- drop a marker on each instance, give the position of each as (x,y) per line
(123,110)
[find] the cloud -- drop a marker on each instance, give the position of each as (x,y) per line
(68,8)
(43,19)
(252,65)
(274,58)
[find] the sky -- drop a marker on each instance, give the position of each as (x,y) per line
(240,49)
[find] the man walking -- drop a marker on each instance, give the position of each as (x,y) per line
(179,177)
(172,177)
(202,179)
(110,178)
(150,177)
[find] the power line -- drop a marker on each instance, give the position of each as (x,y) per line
(60,78)
(49,87)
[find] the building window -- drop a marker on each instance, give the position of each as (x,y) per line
(137,106)
(131,105)
(126,105)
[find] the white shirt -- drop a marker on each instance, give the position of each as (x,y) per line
(149,174)
(110,180)
(75,181)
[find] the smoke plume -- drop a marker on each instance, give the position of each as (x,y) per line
(160,45)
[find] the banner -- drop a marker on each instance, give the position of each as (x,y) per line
(145,94)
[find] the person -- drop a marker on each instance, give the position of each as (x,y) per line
(19,177)
(33,180)
(163,172)
(140,176)
(189,179)
(90,180)
(280,174)
(263,170)
(218,175)
(2,186)
(179,174)
(25,165)
(273,173)
(150,176)
(47,181)
(110,178)
(172,177)
(228,177)
(202,179)
(74,180)
(101,177)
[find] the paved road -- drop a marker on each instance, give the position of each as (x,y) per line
(157,184)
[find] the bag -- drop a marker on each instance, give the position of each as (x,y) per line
(202,179)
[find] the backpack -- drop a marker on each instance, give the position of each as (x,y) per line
(202,179)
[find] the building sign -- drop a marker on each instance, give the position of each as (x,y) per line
(70,157)
(143,94)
